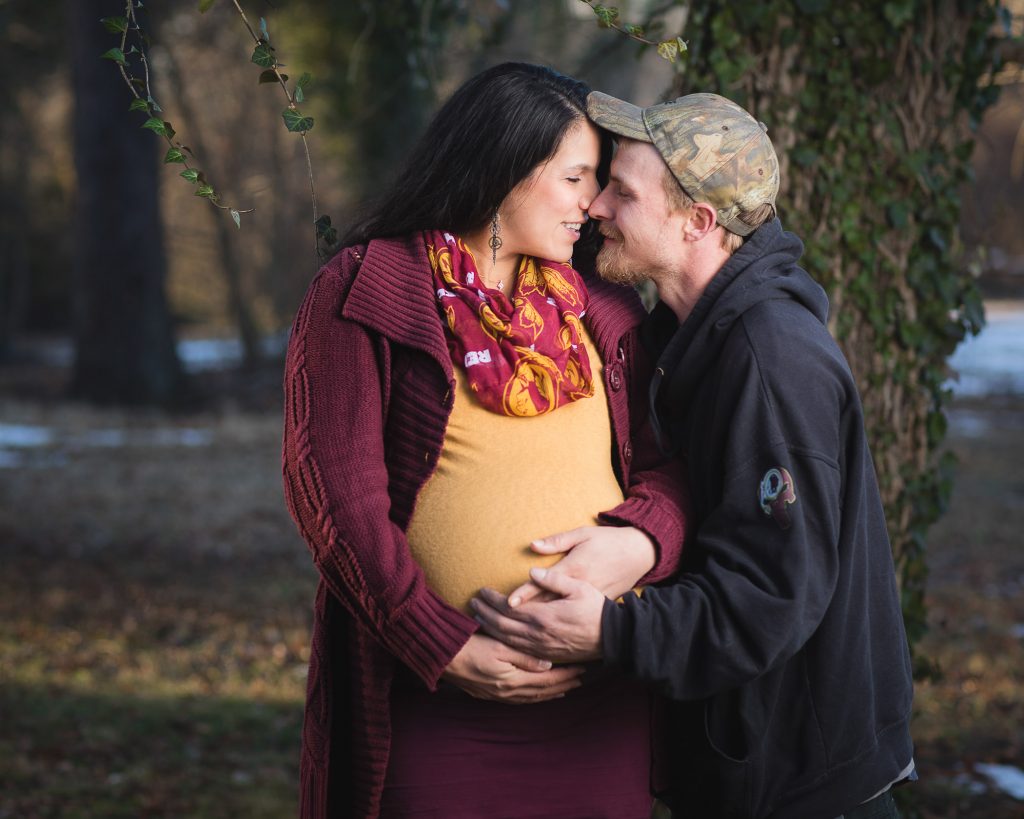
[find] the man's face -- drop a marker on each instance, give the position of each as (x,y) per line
(643,238)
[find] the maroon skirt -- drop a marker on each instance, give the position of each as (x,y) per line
(584,756)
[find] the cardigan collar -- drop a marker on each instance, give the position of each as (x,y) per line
(393,294)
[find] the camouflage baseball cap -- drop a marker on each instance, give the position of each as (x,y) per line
(717,151)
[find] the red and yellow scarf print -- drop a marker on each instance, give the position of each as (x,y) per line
(522,357)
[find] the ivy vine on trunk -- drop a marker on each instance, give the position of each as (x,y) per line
(872,108)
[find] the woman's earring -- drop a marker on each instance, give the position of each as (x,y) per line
(495,241)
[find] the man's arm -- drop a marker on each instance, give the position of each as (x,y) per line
(755,602)
(765,580)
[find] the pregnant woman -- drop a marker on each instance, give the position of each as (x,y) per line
(456,389)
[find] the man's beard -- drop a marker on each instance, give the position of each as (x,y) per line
(614,268)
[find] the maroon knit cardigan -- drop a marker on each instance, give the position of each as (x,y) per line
(368,392)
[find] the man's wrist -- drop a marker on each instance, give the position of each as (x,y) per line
(614,618)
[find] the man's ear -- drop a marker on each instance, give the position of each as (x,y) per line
(701,220)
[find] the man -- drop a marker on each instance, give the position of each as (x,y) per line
(781,644)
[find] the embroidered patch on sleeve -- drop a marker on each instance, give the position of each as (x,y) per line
(776,493)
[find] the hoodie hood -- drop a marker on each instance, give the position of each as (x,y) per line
(765,268)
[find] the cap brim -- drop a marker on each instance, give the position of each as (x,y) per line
(618,116)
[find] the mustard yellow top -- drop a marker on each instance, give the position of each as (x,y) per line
(502,482)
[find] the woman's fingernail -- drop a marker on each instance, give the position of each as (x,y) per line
(539,574)
(514,601)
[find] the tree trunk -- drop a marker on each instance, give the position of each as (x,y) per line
(224,228)
(124,339)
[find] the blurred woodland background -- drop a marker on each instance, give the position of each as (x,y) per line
(154,594)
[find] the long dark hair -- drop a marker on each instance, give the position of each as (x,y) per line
(488,137)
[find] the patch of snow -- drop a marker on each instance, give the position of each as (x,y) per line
(170,436)
(205,354)
(102,438)
(20,435)
(10,460)
(1008,778)
(968,424)
(163,436)
(968,783)
(992,362)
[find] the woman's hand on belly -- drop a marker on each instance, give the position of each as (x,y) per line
(490,670)
(612,559)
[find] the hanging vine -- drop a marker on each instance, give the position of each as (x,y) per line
(130,56)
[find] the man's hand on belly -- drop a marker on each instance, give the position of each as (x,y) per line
(565,629)
(610,558)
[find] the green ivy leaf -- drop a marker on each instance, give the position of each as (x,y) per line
(898,13)
(263,29)
(191,174)
(300,85)
(262,56)
(173,155)
(606,15)
(115,25)
(897,214)
(324,230)
(206,191)
(669,49)
(156,125)
(139,105)
(237,217)
(205,5)
(636,31)
(115,54)
(269,75)
(295,122)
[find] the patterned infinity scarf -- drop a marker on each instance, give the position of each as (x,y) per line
(522,358)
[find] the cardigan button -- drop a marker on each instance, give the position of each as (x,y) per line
(615,377)
(627,451)
(621,353)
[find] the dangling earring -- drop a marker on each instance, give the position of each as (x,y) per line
(495,241)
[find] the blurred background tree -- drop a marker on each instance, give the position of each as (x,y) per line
(124,339)
(874,108)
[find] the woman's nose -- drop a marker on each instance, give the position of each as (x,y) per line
(589,196)
(598,208)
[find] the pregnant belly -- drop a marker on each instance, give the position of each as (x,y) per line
(472,539)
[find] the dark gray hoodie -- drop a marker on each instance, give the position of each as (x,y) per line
(781,644)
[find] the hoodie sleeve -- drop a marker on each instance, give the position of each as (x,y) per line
(768,543)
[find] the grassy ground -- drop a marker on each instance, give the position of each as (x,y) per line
(154,604)
(975,712)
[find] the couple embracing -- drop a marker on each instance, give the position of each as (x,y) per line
(572,556)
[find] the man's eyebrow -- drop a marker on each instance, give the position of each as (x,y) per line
(618,181)
(580,167)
